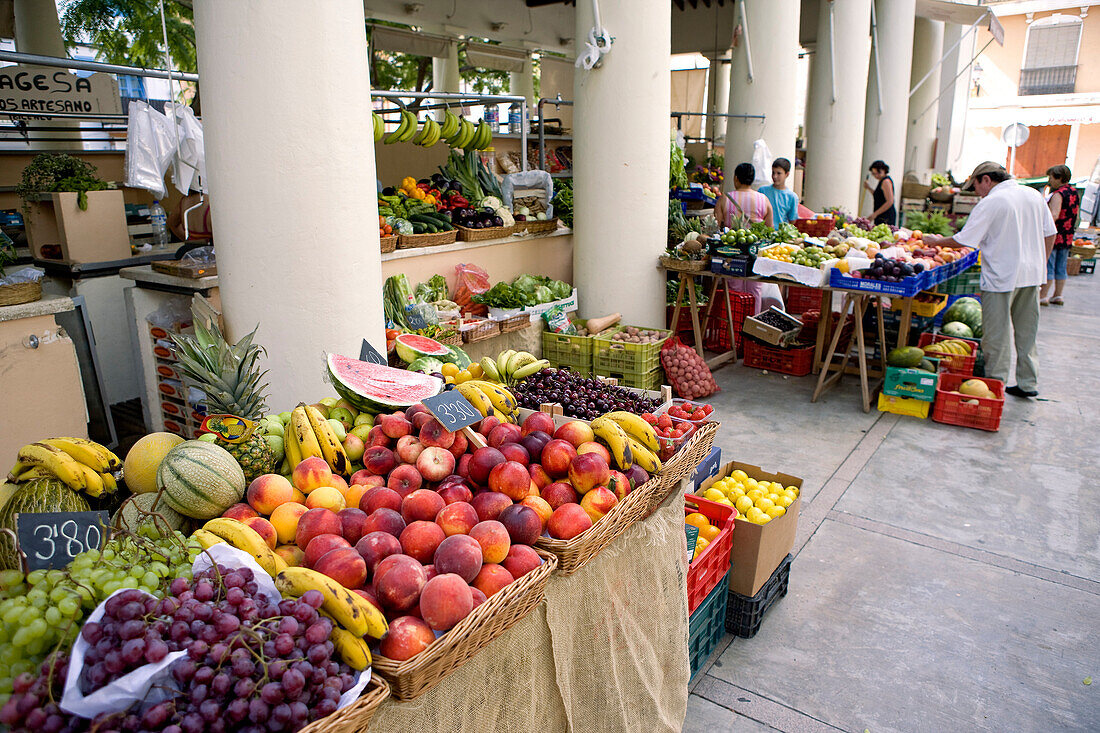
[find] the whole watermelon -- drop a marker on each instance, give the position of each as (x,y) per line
(41,495)
(957,329)
(967,311)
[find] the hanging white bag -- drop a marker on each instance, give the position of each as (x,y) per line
(762,162)
(149,148)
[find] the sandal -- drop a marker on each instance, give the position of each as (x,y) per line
(1057,301)
(1044,302)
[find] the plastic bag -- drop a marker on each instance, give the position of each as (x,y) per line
(529,179)
(762,162)
(421,315)
(471,281)
(150,145)
(688,374)
(189,155)
(25,275)
(557,321)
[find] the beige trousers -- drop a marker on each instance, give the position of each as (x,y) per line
(1007,318)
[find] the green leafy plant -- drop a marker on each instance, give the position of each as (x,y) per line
(563,200)
(59,173)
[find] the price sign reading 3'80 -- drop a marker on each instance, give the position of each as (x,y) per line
(52,539)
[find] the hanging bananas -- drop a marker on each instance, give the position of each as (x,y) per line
(79,463)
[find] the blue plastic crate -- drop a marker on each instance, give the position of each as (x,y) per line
(707,625)
(707,467)
(907,288)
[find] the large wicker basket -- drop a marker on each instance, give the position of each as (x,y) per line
(409,241)
(484,329)
(452,338)
(355,717)
(683,462)
(389,243)
(19,293)
(671,263)
(517,322)
(492,618)
(477,235)
(535,226)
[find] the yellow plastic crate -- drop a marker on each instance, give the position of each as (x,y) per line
(903,406)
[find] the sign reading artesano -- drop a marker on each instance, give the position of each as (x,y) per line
(42,90)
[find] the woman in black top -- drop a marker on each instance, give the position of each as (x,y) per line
(883,194)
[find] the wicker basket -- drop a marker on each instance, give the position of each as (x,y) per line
(683,463)
(534,226)
(477,235)
(574,554)
(20,293)
(483,330)
(671,263)
(409,241)
(389,243)
(942,197)
(518,322)
(492,618)
(355,717)
(452,339)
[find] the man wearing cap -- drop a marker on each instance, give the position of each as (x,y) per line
(1014,230)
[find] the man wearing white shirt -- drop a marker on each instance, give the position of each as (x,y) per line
(1014,230)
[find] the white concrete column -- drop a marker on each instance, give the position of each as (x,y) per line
(445,71)
(718,96)
(923,113)
(38,31)
(838,96)
(292,189)
(888,90)
(951,124)
(772,39)
(620,159)
(523,82)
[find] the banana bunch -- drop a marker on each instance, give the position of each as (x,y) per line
(429,134)
(405,130)
(511,366)
(352,615)
(450,125)
(630,439)
(81,464)
(308,434)
(490,399)
(948,347)
(240,535)
(469,137)
(379,126)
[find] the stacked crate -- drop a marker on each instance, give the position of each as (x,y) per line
(182,410)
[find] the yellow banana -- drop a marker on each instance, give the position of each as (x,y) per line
(339,601)
(18,471)
(505,416)
(56,461)
(93,482)
(291,450)
(501,398)
(303,432)
(243,537)
(207,539)
(634,426)
(643,456)
(110,485)
(31,474)
(331,449)
(280,563)
(352,649)
(88,452)
(477,398)
(617,441)
(376,622)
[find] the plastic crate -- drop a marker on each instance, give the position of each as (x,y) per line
(797,361)
(954,363)
(565,350)
(924,310)
(815,227)
(716,335)
(1088,267)
(908,287)
(650,380)
(744,615)
(713,563)
(800,300)
(683,329)
(735,266)
(969,412)
(706,627)
(966,282)
(620,357)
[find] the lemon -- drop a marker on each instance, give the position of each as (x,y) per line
(462,377)
(696,519)
(724,501)
(754,494)
(751,483)
(775,511)
(739,475)
(475,370)
(784,501)
(449,370)
(764,519)
(794,489)
(774,498)
(736,491)
(743,504)
(754,515)
(776,486)
(713,494)
(764,503)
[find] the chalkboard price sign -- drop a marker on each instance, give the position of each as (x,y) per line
(53,539)
(371,355)
(692,536)
(452,410)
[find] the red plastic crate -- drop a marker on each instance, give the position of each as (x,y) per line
(953,363)
(969,412)
(815,227)
(800,300)
(716,335)
(682,329)
(707,570)
(797,361)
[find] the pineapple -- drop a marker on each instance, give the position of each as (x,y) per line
(229,376)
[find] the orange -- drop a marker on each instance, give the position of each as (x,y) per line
(695,519)
(709,532)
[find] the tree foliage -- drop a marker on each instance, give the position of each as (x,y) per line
(128,32)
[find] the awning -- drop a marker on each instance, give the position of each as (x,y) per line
(961,14)
(489,56)
(1084,114)
(398,40)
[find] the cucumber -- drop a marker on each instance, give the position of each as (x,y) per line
(418,228)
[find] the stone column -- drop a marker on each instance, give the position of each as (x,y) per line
(884,132)
(718,96)
(523,82)
(445,73)
(620,163)
(921,138)
(293,190)
(838,96)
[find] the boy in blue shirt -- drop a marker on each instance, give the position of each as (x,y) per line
(784,202)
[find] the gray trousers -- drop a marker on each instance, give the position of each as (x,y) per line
(1007,318)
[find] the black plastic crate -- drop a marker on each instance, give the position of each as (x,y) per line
(744,615)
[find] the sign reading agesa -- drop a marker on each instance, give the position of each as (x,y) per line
(44,91)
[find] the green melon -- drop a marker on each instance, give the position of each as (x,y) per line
(41,495)
(957,329)
(967,311)
(200,480)
(906,357)
(129,516)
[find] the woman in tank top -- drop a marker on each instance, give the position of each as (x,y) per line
(751,206)
(883,195)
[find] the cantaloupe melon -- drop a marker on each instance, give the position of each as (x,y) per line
(130,517)
(200,480)
(139,471)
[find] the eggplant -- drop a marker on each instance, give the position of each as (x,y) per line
(389,191)
(455,186)
(497,221)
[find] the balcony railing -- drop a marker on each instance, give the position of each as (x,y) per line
(1048,80)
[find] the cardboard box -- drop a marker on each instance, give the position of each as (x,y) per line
(58,230)
(770,334)
(915,384)
(707,467)
(759,548)
(903,406)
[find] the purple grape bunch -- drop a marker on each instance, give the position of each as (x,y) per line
(580,396)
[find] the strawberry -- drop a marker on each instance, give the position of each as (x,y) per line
(664,421)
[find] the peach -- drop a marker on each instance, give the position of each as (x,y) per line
(417,409)
(576,432)
(487,424)
(430,571)
(285,520)
(419,420)
(598,502)
(354,447)
(315,522)
(504,433)
(378,460)
(269,491)
(409,448)
(523,523)
(321,544)
(265,529)
(420,539)
(406,637)
(587,471)
(556,457)
(597,448)
(489,504)
(344,565)
(456,492)
(491,579)
(463,466)
(398,581)
(516,452)
(421,505)
(478,596)
(354,495)
(534,443)
(457,518)
(511,479)
(459,554)
(534,489)
(384,519)
(434,435)
(394,426)
(375,547)
(494,540)
(619,484)
(458,448)
(367,478)
(299,497)
(568,521)
(539,476)
(311,473)
(326,497)
(482,463)
(538,421)
(354,521)
(376,437)
(541,507)
(240,511)
(340,484)
(405,479)
(521,560)
(293,555)
(435,463)
(380,497)
(445,600)
(558,494)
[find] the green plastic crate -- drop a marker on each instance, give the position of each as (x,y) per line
(565,350)
(966,282)
(707,625)
(650,380)
(913,383)
(623,358)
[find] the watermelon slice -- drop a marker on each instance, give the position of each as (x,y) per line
(376,388)
(411,347)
